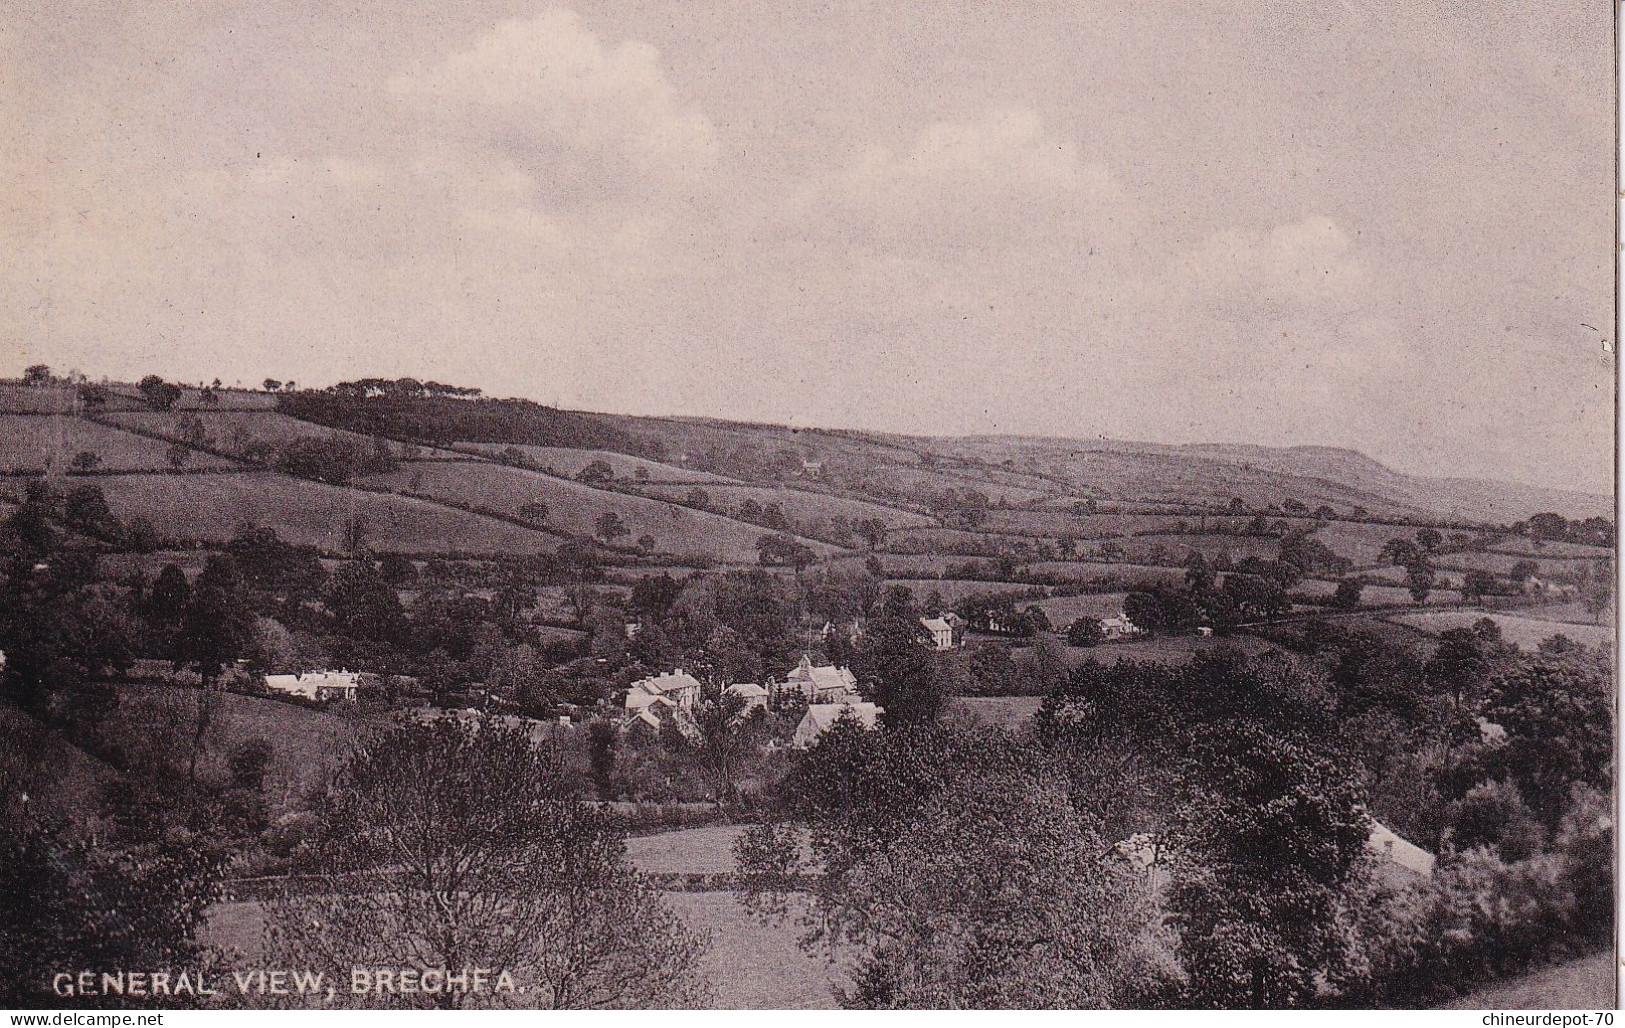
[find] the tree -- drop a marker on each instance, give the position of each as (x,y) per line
(879,853)
(37,375)
(1523,570)
(699,498)
(178,455)
(596,473)
(1266,844)
(602,739)
(364,605)
(1475,584)
(609,526)
(1429,538)
(1085,631)
(720,720)
(1419,580)
(219,625)
(1199,574)
(1402,552)
(158,394)
(535,512)
(646,543)
(784,550)
(86,460)
(272,385)
(1347,596)
(896,672)
(871,531)
(499,866)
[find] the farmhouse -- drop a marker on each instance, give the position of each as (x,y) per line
(942,633)
(676,688)
(825,684)
(317,685)
(1384,843)
(753,695)
(1119,627)
(820,717)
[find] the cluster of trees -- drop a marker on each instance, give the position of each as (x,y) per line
(1250,783)
(1549,527)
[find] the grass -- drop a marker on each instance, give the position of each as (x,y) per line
(953,590)
(1526,632)
(568,461)
(229,429)
(575,508)
(1009,712)
(308,744)
(1159,650)
(1501,563)
(689,851)
(798,504)
(38,443)
(1588,983)
(1063,610)
(215,507)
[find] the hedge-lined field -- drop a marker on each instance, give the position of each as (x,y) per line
(216,507)
(38,443)
(575,508)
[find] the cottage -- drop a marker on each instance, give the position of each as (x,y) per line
(681,690)
(827,684)
(1384,843)
(942,633)
(1118,627)
(317,685)
(820,717)
(754,695)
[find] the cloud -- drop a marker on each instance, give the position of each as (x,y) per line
(590,120)
(1002,178)
(1312,261)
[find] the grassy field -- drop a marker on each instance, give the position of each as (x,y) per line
(1085,570)
(1375,594)
(215,507)
(307,743)
(229,430)
(1063,610)
(575,508)
(689,851)
(799,504)
(953,590)
(1009,712)
(1501,563)
(756,966)
(38,443)
(567,461)
(1588,983)
(1159,650)
(1520,546)
(1527,633)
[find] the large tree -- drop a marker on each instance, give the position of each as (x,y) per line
(455,844)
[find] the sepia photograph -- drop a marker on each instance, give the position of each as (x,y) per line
(808,505)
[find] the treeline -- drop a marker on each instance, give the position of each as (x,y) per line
(438,419)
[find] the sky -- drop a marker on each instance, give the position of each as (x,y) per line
(1373,225)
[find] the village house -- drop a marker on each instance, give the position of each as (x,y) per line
(754,695)
(825,684)
(942,633)
(820,717)
(674,687)
(317,685)
(1118,627)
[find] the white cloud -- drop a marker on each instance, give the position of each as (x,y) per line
(1312,261)
(591,120)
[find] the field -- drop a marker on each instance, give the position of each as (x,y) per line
(1159,650)
(1376,595)
(1526,632)
(307,743)
(1012,713)
(1589,983)
(798,504)
(215,507)
(690,851)
(230,430)
(567,462)
(1523,547)
(1501,563)
(1084,571)
(954,590)
(575,508)
(1063,610)
(44,442)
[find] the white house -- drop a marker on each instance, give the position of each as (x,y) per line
(1119,627)
(753,695)
(1384,843)
(317,685)
(679,689)
(820,717)
(942,633)
(825,684)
